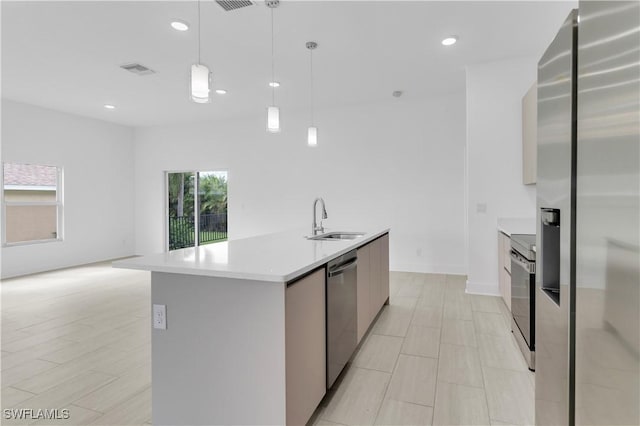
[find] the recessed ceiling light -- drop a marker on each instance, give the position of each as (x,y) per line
(109,106)
(450,40)
(221,91)
(274,84)
(179,25)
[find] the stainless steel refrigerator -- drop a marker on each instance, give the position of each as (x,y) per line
(588,236)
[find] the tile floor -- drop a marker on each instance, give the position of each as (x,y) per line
(435,355)
(80,339)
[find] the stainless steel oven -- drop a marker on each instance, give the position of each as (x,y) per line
(523,282)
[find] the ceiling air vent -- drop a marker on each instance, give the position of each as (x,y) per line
(234,4)
(137,69)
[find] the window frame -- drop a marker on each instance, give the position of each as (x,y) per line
(59,203)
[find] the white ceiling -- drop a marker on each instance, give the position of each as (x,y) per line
(66,55)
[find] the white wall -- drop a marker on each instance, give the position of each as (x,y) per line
(494,159)
(398,163)
(97,158)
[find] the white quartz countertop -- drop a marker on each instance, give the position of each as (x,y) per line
(278,257)
(511,225)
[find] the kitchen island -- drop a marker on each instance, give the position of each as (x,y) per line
(245,336)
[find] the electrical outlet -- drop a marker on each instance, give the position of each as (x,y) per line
(481,207)
(160,317)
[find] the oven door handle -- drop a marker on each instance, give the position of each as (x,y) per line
(528,266)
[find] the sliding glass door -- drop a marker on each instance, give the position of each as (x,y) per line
(196,201)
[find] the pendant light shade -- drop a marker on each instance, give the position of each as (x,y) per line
(273,112)
(273,119)
(312,136)
(200,86)
(200,76)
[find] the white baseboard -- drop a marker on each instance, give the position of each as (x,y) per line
(486,289)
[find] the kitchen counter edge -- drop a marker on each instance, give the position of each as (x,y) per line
(139,263)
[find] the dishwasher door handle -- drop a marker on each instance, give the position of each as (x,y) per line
(340,269)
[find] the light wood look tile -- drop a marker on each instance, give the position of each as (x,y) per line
(34,339)
(82,337)
(138,358)
(490,323)
(485,304)
(403,302)
(414,380)
(403,413)
(500,352)
(49,324)
(65,327)
(456,281)
(11,334)
(422,341)
(323,422)
(14,375)
(116,392)
(510,395)
(67,392)
(455,293)
(460,405)
(457,308)
(46,380)
(393,322)
(458,332)
(379,353)
(12,396)
(460,365)
(499,423)
(133,411)
(506,314)
(410,288)
(13,359)
(433,278)
(427,316)
(432,296)
(358,398)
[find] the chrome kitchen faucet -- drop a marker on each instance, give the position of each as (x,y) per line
(314,226)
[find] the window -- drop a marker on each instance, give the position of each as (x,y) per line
(31,203)
(201,192)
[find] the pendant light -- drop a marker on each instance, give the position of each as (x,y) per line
(273,112)
(200,78)
(312,131)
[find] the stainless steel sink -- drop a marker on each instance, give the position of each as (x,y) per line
(337,236)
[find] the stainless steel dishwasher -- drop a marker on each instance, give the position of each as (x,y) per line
(341,313)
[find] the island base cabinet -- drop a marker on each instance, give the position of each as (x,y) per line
(221,359)
(364,290)
(305,346)
(384,268)
(373,281)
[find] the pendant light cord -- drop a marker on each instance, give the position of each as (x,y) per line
(199,32)
(311,66)
(273,79)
